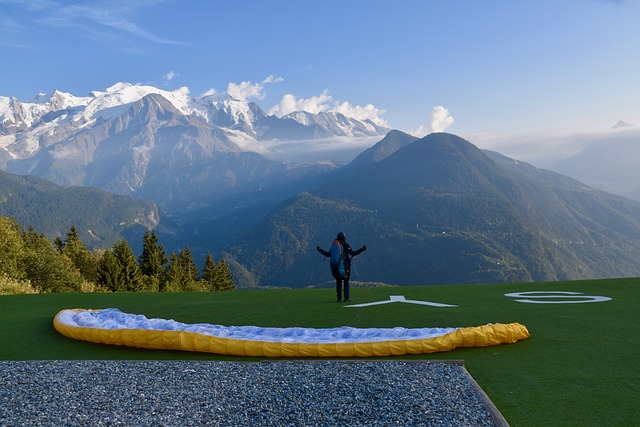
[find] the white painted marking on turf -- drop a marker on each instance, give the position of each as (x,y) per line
(542,295)
(401,298)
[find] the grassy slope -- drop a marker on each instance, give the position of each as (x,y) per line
(580,366)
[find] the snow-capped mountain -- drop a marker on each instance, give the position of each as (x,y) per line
(332,123)
(621,124)
(167,146)
(27,127)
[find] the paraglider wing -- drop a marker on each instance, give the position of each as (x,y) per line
(112,326)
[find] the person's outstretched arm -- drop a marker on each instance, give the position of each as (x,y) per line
(357,252)
(322,251)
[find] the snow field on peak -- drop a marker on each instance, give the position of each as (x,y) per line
(117,99)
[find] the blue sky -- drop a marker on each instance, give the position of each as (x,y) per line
(497,68)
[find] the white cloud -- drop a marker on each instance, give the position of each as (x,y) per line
(440,119)
(246,90)
(325,102)
(170,75)
(211,93)
(273,79)
(368,112)
(117,20)
(289,103)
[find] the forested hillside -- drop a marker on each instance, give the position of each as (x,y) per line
(100,218)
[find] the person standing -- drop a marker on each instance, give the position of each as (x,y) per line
(340,256)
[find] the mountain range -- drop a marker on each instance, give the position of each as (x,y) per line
(166,146)
(440,210)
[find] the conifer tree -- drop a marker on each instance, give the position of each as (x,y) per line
(131,274)
(153,258)
(153,261)
(72,235)
(175,275)
(186,259)
(182,272)
(59,244)
(224,278)
(79,255)
(208,278)
(110,274)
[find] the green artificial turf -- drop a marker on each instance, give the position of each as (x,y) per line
(581,365)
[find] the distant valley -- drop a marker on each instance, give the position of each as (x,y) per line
(608,163)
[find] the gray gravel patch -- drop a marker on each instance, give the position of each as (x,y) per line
(273,393)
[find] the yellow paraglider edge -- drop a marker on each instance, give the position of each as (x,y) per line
(477,336)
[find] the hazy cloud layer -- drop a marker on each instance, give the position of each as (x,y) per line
(338,149)
(543,149)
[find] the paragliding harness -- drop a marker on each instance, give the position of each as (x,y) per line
(338,259)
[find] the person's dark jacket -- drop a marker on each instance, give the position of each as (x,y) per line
(347,251)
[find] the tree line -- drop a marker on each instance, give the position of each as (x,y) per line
(31,263)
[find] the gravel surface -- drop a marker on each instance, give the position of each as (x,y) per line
(278,393)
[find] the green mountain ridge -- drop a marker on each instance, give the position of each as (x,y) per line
(100,217)
(439,210)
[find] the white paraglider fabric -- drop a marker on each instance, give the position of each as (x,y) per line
(112,318)
(112,326)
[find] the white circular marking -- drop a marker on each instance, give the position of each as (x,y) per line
(561,297)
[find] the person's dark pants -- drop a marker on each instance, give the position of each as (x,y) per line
(339,283)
